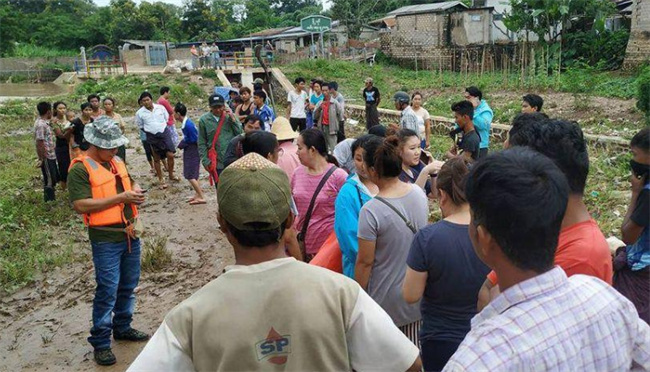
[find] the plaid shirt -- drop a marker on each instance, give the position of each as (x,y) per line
(551,323)
(43,132)
(409,120)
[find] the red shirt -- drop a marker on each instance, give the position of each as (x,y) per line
(326,112)
(165,103)
(581,249)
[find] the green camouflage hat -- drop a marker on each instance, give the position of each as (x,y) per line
(253,189)
(104,133)
(258,81)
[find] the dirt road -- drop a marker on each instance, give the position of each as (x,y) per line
(45,325)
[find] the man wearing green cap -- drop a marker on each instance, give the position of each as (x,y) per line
(216,129)
(102,191)
(269,311)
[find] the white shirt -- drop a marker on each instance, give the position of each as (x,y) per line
(423,115)
(374,343)
(154,121)
(297,101)
(551,323)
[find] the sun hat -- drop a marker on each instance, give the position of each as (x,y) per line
(369,80)
(254,190)
(104,133)
(282,129)
(258,81)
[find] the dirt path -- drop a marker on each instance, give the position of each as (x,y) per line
(45,325)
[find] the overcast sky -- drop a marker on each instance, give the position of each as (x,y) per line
(327,3)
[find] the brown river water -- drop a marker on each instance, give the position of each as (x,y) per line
(30,90)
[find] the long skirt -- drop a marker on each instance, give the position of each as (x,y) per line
(634,285)
(63,162)
(191,162)
(372,116)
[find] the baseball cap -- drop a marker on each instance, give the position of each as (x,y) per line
(216,100)
(258,81)
(254,190)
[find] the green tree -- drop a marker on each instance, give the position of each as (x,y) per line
(356,13)
(200,22)
(9,29)
(548,19)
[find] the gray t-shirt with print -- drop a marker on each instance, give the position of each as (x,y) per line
(378,222)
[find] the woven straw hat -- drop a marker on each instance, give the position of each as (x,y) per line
(282,129)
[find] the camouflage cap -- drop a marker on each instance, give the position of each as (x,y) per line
(104,133)
(254,190)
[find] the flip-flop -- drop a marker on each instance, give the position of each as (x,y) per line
(197,202)
(163,186)
(175,179)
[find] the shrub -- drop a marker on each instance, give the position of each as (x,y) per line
(643,92)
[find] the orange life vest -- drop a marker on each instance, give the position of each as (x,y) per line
(103,183)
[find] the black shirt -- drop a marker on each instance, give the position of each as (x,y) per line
(371,96)
(78,133)
(641,213)
(470,142)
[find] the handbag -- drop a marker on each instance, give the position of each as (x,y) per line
(409,224)
(329,255)
(212,154)
(305,224)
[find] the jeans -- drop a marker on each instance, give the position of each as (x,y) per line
(117,273)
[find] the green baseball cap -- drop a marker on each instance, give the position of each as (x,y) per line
(254,190)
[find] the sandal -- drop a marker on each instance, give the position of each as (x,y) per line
(198,201)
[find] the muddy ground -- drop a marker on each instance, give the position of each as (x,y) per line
(45,325)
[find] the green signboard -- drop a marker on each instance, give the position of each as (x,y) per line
(316,24)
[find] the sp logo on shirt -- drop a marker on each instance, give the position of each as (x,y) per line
(275,348)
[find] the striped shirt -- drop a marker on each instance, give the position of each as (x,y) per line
(551,323)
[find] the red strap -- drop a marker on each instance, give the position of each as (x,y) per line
(214,176)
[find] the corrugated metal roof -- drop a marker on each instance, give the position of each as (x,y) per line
(426,8)
(271,31)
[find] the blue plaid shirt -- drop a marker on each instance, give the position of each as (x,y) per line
(267,115)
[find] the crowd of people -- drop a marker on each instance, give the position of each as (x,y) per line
(516,275)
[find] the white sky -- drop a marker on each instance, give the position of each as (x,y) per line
(326,3)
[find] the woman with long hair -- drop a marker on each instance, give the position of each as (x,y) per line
(357,191)
(387,225)
(444,271)
(424,120)
(62,131)
(411,154)
(315,225)
(109,110)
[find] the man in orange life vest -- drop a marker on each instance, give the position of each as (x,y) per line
(102,191)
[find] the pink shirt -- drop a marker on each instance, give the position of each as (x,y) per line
(170,110)
(321,223)
(288,159)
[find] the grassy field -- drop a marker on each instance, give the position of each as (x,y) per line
(35,236)
(602,102)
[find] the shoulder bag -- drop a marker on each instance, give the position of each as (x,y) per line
(409,224)
(305,223)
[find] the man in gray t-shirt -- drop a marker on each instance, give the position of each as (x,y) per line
(379,223)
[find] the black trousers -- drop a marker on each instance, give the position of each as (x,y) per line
(482,153)
(50,178)
(298,124)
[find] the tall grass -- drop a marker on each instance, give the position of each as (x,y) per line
(33,51)
(389,79)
